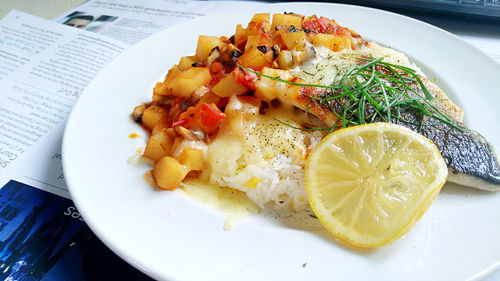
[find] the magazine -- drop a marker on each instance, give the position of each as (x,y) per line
(44,67)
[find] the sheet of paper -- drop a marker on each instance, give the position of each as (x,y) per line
(131,21)
(48,66)
(45,66)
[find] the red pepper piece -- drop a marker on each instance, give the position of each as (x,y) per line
(246,78)
(210,117)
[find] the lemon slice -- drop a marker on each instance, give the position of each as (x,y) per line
(369,184)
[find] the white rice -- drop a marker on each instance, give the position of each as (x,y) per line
(279,181)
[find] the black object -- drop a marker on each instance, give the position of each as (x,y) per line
(488,10)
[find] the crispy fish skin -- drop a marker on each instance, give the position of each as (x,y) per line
(471,160)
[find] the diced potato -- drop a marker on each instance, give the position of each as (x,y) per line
(269,89)
(186,62)
(294,40)
(240,36)
(161,89)
(209,98)
(285,59)
(299,57)
(161,125)
(254,41)
(331,41)
(253,29)
(152,115)
(261,17)
(176,146)
(192,158)
(289,19)
(237,110)
(255,59)
(169,173)
(185,83)
(158,146)
(205,46)
(162,99)
(172,71)
(171,133)
(228,86)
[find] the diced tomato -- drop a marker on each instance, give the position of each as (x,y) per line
(310,25)
(217,71)
(316,25)
(340,31)
(205,117)
(261,26)
(324,25)
(182,122)
(222,102)
(210,117)
(246,78)
(217,67)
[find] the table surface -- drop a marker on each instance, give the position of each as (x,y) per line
(50,9)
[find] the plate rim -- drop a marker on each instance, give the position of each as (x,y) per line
(67,151)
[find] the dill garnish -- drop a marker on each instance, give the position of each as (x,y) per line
(373,90)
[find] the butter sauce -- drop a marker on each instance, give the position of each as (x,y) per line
(235,204)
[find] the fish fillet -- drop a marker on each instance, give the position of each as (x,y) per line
(471,159)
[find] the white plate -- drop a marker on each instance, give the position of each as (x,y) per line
(172,237)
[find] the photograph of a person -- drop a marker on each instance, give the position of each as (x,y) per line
(92,23)
(79,21)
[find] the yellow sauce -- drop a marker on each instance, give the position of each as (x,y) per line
(235,204)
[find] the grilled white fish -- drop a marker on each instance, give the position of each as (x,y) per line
(472,161)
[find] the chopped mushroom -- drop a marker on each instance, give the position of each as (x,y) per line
(138,112)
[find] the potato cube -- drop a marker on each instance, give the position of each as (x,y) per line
(161,89)
(169,173)
(152,115)
(288,19)
(331,41)
(253,29)
(228,86)
(269,89)
(205,46)
(192,158)
(158,146)
(240,36)
(237,110)
(161,125)
(254,41)
(185,83)
(261,17)
(161,99)
(186,62)
(255,59)
(294,40)
(285,59)
(257,28)
(172,72)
